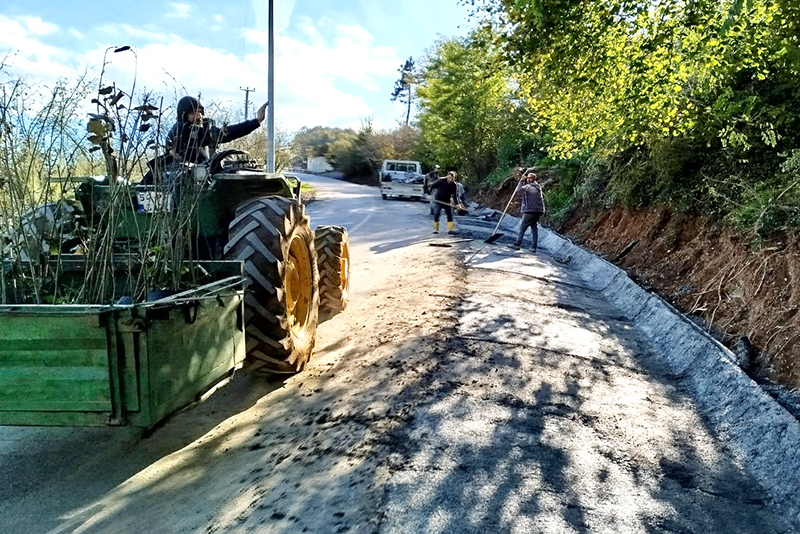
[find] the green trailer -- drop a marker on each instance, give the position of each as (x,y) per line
(87,365)
(63,365)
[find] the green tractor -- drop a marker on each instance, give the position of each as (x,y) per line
(295,276)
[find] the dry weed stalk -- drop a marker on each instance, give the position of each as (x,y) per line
(39,152)
(43,150)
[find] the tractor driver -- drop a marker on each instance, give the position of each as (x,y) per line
(194,138)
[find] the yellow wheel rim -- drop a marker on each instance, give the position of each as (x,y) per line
(298,285)
(344,272)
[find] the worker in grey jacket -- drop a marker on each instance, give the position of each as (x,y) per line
(532,209)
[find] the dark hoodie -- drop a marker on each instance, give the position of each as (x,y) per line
(445,191)
(186,141)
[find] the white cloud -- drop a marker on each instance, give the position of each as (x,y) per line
(75,33)
(219,18)
(283,14)
(38,27)
(351,58)
(309,30)
(311,77)
(306,73)
(179,11)
(31,57)
(218,77)
(126,30)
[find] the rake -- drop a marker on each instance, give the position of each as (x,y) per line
(495,236)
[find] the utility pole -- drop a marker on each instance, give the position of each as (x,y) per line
(271,92)
(247,92)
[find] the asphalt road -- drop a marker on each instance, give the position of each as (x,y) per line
(467,388)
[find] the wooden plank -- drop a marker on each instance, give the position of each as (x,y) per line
(53,342)
(56,406)
(54,362)
(53,358)
(63,374)
(76,418)
(186,358)
(61,388)
(64,327)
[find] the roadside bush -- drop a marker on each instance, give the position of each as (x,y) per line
(559,202)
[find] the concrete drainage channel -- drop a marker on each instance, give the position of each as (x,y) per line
(761,433)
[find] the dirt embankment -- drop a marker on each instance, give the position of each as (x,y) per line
(732,288)
(714,274)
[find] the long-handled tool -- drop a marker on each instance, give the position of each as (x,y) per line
(459,207)
(495,236)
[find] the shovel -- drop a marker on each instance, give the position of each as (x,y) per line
(459,207)
(495,236)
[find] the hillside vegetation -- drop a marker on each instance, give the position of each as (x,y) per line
(690,104)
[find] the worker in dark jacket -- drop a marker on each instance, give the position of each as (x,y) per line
(194,138)
(444,193)
(532,209)
(430,179)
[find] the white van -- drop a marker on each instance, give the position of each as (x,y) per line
(401,179)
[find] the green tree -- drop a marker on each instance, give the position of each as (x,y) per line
(611,74)
(692,103)
(404,86)
(360,156)
(316,141)
(465,104)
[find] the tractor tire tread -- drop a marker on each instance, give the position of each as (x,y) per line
(259,236)
(331,243)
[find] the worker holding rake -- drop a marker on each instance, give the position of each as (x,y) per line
(532,210)
(444,192)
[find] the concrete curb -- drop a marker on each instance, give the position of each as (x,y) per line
(761,433)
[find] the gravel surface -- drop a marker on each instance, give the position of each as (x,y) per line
(498,394)
(551,416)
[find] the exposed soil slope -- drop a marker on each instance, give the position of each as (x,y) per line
(711,274)
(740,291)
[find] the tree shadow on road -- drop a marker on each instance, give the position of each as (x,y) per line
(532,407)
(573,427)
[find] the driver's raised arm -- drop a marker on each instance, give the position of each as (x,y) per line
(232,132)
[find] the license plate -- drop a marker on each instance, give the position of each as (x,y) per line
(151,201)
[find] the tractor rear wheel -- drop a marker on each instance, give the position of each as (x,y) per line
(271,235)
(333,261)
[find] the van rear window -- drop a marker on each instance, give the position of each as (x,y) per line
(405,167)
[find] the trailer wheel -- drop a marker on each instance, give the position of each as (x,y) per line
(333,261)
(273,238)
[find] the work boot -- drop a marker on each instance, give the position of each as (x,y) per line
(514,246)
(435,227)
(451,229)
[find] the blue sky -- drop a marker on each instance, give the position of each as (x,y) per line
(336,61)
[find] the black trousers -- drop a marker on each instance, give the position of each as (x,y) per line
(529,220)
(437,211)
